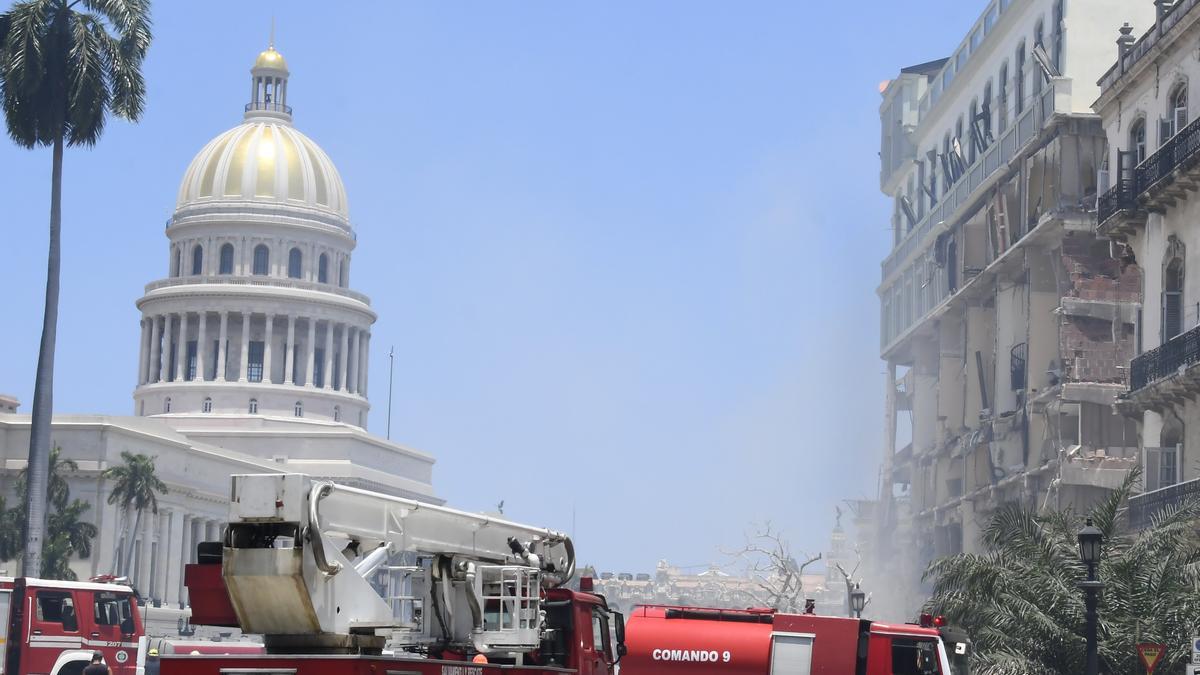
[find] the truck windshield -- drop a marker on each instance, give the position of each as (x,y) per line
(914,657)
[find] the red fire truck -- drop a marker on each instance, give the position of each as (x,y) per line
(53,627)
(339,580)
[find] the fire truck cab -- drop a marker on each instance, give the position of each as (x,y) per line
(663,640)
(53,627)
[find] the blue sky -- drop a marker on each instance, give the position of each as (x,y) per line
(626,251)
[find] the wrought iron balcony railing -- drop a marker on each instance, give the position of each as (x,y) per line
(1143,507)
(1180,149)
(1122,197)
(1164,360)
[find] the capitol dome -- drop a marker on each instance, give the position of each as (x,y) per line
(264,160)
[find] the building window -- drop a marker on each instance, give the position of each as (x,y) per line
(298,409)
(1178,109)
(207,407)
(254,364)
(1019,80)
(226,265)
(1057,54)
(1137,140)
(253,406)
(190,364)
(337,413)
(323,269)
(167,404)
(1039,40)
(1172,294)
(262,259)
(1002,99)
(294,260)
(197,260)
(318,374)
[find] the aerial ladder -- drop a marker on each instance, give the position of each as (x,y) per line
(322,568)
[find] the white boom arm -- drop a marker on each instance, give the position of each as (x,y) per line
(316,565)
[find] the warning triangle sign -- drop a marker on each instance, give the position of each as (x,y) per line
(1151,653)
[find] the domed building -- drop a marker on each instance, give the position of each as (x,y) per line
(256,315)
(253,358)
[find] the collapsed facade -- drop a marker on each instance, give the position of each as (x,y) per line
(1148,210)
(1006,320)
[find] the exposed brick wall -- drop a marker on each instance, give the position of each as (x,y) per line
(1089,353)
(1091,349)
(1094,275)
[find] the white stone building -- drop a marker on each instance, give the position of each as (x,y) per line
(254,351)
(1004,319)
(1149,207)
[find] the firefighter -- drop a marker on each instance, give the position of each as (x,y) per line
(97,667)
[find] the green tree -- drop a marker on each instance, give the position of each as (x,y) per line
(136,486)
(64,66)
(68,535)
(1020,603)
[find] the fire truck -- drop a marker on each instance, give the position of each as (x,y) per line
(53,627)
(340,580)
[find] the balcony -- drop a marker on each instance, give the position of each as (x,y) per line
(1169,174)
(1143,507)
(1171,358)
(269,106)
(1118,211)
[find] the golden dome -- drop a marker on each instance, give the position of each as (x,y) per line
(271,59)
(266,161)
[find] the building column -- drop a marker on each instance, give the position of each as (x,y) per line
(188,548)
(164,370)
(345,343)
(164,558)
(364,371)
(267,349)
(202,347)
(310,351)
(222,338)
(214,531)
(174,566)
(152,367)
(143,347)
(181,348)
(289,351)
(328,383)
(352,366)
(245,356)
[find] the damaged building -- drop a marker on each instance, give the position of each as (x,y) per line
(1148,208)
(1007,322)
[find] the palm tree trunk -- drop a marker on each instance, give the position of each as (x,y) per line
(137,525)
(38,471)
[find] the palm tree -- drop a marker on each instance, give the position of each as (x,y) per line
(1019,599)
(68,535)
(134,486)
(64,65)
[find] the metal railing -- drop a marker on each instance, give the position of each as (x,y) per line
(1180,149)
(1143,507)
(1122,197)
(1166,359)
(271,282)
(270,107)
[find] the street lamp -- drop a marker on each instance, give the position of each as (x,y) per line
(1090,539)
(858,600)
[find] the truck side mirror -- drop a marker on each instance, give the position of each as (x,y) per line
(622,650)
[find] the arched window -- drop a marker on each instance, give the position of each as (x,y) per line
(262,259)
(226,266)
(175,263)
(299,409)
(1178,108)
(197,259)
(1002,99)
(337,413)
(1169,456)
(1137,140)
(1039,40)
(207,407)
(253,406)
(294,260)
(323,269)
(1172,294)
(167,404)
(1019,80)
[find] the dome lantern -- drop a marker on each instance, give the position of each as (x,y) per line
(268,86)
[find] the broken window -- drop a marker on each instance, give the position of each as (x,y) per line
(1019,80)
(1002,99)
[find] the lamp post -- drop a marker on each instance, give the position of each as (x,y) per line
(858,600)
(1090,539)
